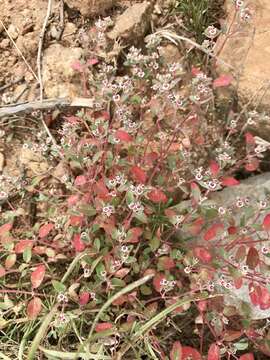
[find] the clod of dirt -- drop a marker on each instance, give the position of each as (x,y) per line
(35,163)
(60,79)
(90,8)
(133,23)
(170,53)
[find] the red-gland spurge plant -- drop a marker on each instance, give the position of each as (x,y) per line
(137,203)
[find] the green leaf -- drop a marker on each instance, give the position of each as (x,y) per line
(118,282)
(241,345)
(87,210)
(27,254)
(141,217)
(135,99)
(97,156)
(129,197)
(58,286)
(145,290)
(100,268)
(154,243)
(96,244)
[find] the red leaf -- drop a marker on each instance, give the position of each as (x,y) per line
(5,228)
(101,190)
(213,352)
(138,174)
(122,273)
(103,326)
(80,180)
(196,226)
(10,261)
(232,230)
(195,71)
(44,230)
(249,139)
(229,181)
(92,61)
(264,298)
(157,282)
(248,356)
(252,165)
(253,258)
(22,245)
(254,294)
(120,300)
(76,65)
(2,271)
(76,220)
(176,352)
(212,232)
(214,168)
(133,235)
(167,263)
(202,254)
(150,158)
(34,308)
(202,305)
(266,222)
(238,282)
(241,253)
(223,80)
(78,244)
(123,136)
(72,200)
(157,196)
(84,298)
(37,276)
(189,353)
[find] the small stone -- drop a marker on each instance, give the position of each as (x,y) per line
(170,53)
(4,43)
(13,31)
(133,23)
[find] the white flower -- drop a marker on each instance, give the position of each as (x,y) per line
(108,210)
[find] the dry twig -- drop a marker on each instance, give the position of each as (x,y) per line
(47,104)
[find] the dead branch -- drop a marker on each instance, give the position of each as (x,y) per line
(47,104)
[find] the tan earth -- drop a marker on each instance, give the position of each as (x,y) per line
(248,50)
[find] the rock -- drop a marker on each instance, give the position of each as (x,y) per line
(170,53)
(90,8)
(255,188)
(247,50)
(133,23)
(33,161)
(60,79)
(238,296)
